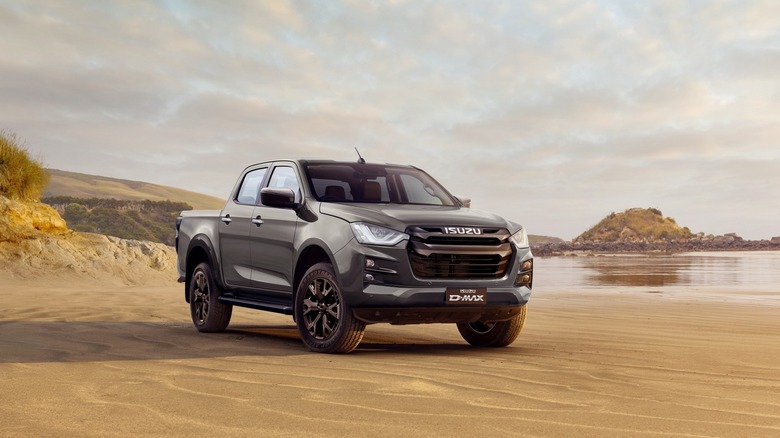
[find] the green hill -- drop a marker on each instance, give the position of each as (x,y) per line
(536,240)
(136,220)
(79,185)
(121,208)
(636,225)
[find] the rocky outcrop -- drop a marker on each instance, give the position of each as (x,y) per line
(23,220)
(635,225)
(36,243)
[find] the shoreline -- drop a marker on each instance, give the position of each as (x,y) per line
(574,249)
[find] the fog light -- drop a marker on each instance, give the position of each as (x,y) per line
(527,265)
(524,279)
(369,277)
(370,263)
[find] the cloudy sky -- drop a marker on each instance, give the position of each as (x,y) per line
(551,113)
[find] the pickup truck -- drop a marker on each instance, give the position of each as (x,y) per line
(339,245)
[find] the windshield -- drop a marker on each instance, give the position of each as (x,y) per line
(371,183)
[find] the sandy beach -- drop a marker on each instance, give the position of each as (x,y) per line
(89,360)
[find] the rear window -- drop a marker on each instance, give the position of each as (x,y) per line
(370,183)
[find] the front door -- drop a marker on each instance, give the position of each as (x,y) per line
(235,229)
(273,236)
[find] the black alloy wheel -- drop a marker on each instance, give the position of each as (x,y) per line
(324,319)
(208,314)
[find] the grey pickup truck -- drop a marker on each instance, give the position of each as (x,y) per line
(339,245)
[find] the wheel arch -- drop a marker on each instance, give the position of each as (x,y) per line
(310,256)
(200,251)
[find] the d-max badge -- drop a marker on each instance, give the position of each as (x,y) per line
(474,296)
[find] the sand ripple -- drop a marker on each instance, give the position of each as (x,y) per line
(77,360)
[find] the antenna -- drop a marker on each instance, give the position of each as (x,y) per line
(360,158)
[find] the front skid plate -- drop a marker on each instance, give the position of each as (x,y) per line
(428,315)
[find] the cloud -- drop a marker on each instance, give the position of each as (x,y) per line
(553,113)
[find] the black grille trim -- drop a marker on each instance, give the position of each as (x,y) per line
(433,254)
(458,266)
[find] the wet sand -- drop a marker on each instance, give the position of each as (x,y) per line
(86,360)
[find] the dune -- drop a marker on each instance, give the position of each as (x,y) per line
(35,242)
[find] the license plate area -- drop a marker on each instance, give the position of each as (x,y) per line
(474,296)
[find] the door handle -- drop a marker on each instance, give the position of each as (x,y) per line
(257,221)
(226,219)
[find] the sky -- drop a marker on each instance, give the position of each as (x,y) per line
(550,113)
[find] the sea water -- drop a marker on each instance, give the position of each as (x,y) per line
(755,273)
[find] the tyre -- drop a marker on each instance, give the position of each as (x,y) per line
(208,314)
(493,334)
(324,320)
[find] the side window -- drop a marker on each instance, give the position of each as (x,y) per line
(250,187)
(284,177)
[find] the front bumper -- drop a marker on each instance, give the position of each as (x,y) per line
(393,294)
(429,315)
(420,305)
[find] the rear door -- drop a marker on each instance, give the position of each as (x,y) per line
(273,236)
(235,229)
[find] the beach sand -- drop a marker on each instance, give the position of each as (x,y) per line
(81,359)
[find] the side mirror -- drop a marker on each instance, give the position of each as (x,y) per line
(282,197)
(465,201)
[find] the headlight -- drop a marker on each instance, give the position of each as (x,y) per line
(520,239)
(375,235)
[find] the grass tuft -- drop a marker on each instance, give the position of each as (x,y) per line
(21,177)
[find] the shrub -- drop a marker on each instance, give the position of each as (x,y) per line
(21,177)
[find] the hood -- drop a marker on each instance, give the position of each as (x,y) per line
(401,216)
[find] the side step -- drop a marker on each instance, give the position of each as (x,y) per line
(269,306)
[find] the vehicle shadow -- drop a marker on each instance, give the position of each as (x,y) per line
(79,341)
(34,342)
(377,340)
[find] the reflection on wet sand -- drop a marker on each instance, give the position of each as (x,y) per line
(638,271)
(740,270)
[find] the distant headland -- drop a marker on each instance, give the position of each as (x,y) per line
(638,230)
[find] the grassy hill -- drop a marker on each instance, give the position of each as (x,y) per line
(136,220)
(79,185)
(536,240)
(636,225)
(121,208)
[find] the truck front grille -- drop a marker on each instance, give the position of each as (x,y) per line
(433,254)
(458,266)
